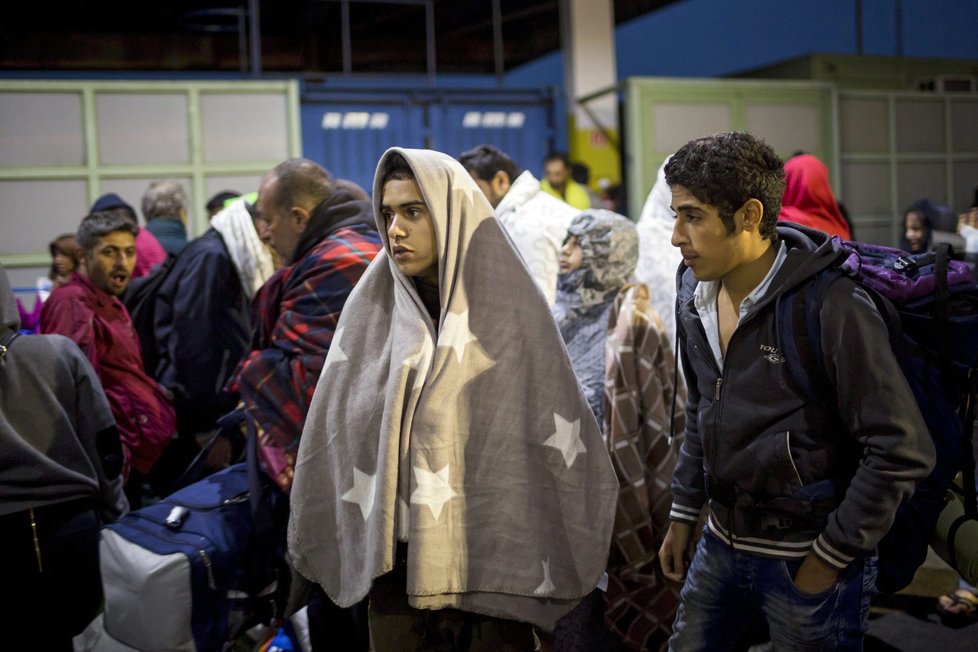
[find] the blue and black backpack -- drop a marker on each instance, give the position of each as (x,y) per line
(930,305)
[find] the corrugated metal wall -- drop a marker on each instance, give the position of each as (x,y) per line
(347,132)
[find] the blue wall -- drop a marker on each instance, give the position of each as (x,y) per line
(712,38)
(690,38)
(708,38)
(347,133)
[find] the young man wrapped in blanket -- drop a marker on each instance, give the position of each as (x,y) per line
(450,466)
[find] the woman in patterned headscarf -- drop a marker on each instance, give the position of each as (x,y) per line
(621,353)
(596,262)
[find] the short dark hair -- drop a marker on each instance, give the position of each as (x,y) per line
(126,212)
(100,224)
(300,182)
(216,202)
(935,216)
(581,173)
(725,170)
(558,156)
(486,160)
(396,168)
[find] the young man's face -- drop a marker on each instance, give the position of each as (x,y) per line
(556,173)
(110,262)
(281,227)
(410,230)
(708,249)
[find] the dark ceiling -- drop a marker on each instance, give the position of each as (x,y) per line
(297,36)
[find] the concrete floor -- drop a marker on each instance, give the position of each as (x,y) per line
(915,627)
(907,622)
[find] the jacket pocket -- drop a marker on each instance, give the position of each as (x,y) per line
(766,468)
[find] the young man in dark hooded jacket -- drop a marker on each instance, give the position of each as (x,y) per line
(798,494)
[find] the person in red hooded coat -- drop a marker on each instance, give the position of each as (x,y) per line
(808,199)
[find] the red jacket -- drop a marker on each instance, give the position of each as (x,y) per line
(99,324)
(149,253)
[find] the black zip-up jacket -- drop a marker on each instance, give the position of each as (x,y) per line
(202,328)
(784,475)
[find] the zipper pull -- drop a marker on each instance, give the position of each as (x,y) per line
(716,395)
(37,542)
(210,571)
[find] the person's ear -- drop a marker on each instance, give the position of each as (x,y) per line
(500,183)
(300,218)
(81,261)
(752,211)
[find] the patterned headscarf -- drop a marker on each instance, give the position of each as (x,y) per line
(609,253)
(469,438)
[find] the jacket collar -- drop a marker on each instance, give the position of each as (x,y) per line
(101,297)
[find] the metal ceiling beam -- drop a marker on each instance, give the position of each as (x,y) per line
(497,41)
(345,29)
(254,37)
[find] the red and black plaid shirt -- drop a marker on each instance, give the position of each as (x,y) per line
(295,315)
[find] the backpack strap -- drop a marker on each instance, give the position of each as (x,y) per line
(941,301)
(6,341)
(266,506)
(145,290)
(970,412)
(799,330)
(969,492)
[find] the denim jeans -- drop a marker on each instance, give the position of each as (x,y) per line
(728,592)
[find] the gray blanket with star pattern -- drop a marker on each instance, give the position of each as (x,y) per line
(470,439)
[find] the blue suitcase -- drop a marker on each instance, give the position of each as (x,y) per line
(196,569)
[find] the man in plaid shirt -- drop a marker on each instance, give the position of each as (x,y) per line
(324,231)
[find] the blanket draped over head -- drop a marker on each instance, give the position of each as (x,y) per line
(249,255)
(609,251)
(470,439)
(657,258)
